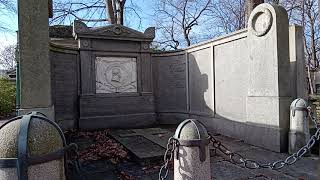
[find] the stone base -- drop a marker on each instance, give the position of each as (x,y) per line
(67,123)
(48,111)
(297,140)
(171,118)
(48,170)
(268,137)
(118,121)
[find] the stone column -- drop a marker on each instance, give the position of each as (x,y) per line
(269,91)
(34,57)
(297,62)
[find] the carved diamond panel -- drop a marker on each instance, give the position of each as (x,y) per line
(116,74)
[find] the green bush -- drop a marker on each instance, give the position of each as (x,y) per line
(7,96)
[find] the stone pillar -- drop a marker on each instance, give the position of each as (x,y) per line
(299,127)
(193,159)
(297,62)
(269,91)
(34,57)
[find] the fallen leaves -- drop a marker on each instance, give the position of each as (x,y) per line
(124,176)
(103,147)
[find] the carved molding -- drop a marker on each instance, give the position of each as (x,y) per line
(260,21)
(112,31)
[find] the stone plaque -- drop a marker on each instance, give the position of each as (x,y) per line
(116,74)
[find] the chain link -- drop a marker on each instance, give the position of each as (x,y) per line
(252,164)
(168,156)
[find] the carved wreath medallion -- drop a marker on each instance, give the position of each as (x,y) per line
(116,75)
(261,22)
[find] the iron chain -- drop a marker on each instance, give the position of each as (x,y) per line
(252,164)
(168,156)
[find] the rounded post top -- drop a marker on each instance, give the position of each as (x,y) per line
(299,103)
(191,129)
(42,136)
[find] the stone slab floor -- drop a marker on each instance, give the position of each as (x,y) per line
(146,147)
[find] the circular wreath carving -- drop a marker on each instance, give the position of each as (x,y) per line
(117,30)
(261,22)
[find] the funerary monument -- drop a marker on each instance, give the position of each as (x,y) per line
(240,85)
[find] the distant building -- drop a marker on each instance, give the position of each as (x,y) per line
(3,73)
(10,74)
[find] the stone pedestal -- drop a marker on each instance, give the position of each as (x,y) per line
(34,57)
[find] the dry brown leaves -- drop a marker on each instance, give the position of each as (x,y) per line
(124,176)
(103,147)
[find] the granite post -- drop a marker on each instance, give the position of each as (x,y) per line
(37,148)
(269,91)
(34,57)
(193,159)
(299,127)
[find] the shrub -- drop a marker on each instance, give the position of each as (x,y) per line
(7,96)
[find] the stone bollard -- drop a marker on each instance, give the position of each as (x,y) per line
(32,147)
(192,158)
(299,128)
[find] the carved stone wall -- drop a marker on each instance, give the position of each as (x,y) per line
(116,79)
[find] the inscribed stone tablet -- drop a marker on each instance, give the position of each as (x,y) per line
(116,74)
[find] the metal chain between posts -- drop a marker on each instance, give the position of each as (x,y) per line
(252,164)
(168,156)
(236,158)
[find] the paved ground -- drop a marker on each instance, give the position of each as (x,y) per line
(147,147)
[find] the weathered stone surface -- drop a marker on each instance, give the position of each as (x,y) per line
(201,100)
(60,31)
(116,75)
(170,83)
(43,138)
(188,162)
(115,31)
(269,91)
(299,125)
(231,79)
(34,54)
(297,62)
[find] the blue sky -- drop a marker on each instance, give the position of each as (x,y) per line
(11,21)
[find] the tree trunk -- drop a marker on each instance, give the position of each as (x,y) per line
(310,82)
(121,12)
(110,11)
(250,5)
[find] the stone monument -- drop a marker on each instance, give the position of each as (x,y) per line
(115,76)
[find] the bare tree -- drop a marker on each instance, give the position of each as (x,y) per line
(6,7)
(7,57)
(97,11)
(176,20)
(228,16)
(250,5)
